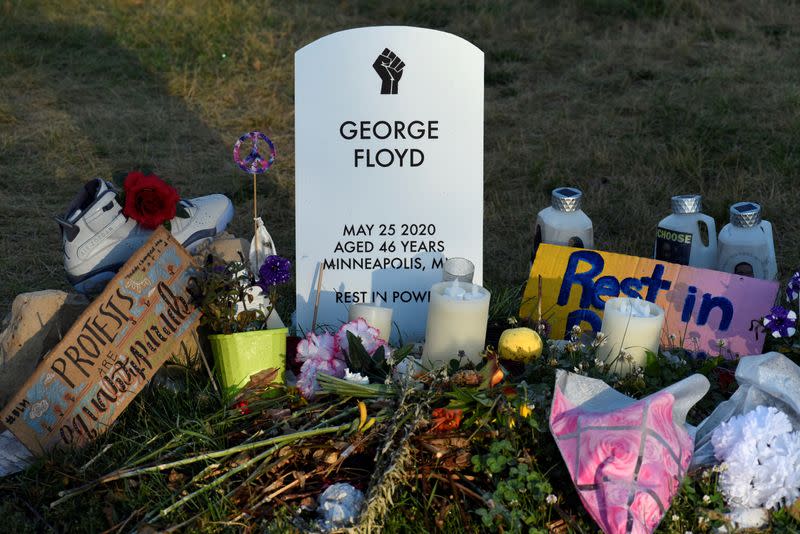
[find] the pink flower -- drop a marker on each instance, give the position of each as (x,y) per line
(307,381)
(319,354)
(370,337)
(322,346)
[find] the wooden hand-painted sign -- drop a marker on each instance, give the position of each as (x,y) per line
(701,306)
(110,353)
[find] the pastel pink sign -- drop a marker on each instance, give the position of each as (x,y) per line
(627,464)
(701,306)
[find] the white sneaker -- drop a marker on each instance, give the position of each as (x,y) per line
(98,239)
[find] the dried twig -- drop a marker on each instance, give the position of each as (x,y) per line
(319,291)
(127,473)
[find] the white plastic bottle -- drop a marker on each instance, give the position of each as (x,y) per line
(746,246)
(687,237)
(563,222)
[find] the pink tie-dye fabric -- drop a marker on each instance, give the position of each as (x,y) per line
(626,464)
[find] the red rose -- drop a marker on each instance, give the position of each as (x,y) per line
(149,200)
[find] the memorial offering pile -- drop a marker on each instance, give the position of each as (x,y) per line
(393,447)
(339,430)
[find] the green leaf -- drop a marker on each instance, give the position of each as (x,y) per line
(358,359)
(379,356)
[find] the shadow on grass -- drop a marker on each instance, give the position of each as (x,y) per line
(76,105)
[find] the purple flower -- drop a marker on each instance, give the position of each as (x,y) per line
(793,287)
(781,322)
(275,271)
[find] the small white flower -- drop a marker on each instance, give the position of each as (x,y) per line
(706,499)
(356,378)
(721,343)
(512,321)
(702,520)
(676,517)
(576,330)
(551,499)
(599,340)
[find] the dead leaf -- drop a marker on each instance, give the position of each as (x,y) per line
(442,515)
(262,379)
(458,442)
(256,65)
(308,504)
(175,480)
(259,381)
(466,378)
(458,462)
(278,414)
(108,511)
(794,510)
(300,477)
(492,373)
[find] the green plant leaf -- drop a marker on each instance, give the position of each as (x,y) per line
(358,359)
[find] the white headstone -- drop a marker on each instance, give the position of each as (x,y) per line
(389,170)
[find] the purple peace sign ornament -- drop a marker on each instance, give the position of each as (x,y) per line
(254,162)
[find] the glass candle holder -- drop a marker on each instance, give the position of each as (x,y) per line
(460,269)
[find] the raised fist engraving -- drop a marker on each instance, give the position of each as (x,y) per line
(390,68)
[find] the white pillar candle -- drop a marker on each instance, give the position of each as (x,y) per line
(376,316)
(632,326)
(457,318)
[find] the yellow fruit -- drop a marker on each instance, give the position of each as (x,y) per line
(520,344)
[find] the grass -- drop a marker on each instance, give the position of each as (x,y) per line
(631,101)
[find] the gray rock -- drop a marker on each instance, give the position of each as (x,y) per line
(226,247)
